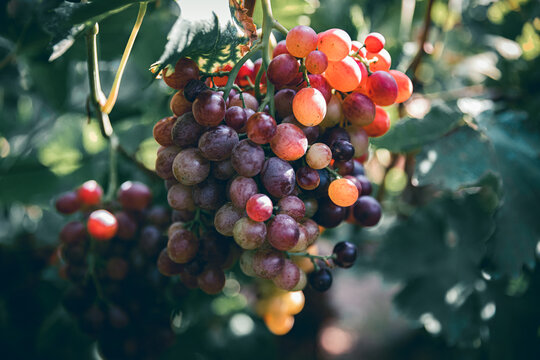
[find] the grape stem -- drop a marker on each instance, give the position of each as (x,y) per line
(268,25)
(333,172)
(92,269)
(324,258)
(234,71)
(282,29)
(303,69)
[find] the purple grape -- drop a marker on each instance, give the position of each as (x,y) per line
(283,232)
(367,211)
(247,158)
(217,143)
(278,177)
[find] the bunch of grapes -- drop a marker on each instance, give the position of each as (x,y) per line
(108,255)
(257,174)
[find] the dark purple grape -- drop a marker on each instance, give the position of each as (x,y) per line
(324,183)
(223,170)
(355,181)
(209,108)
(150,240)
(282,69)
(241,189)
(278,177)
(117,268)
(283,101)
(329,215)
(211,280)
(367,211)
(283,232)
(247,158)
(127,226)
(307,178)
(193,89)
(68,203)
(358,168)
(182,246)
(74,253)
(335,133)
(214,248)
(134,195)
(260,128)
(190,167)
(344,167)
(186,131)
(342,150)
(217,143)
(267,263)
(366,185)
(158,215)
(321,279)
(182,215)
(292,206)
(345,254)
(73,232)
(209,195)
(195,266)
(236,118)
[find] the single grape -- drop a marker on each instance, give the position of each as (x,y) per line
(241,190)
(283,232)
(182,246)
(279,323)
(209,195)
(282,69)
(134,195)
(217,143)
(166,266)
(162,131)
(278,177)
(318,156)
(184,71)
(311,205)
(362,87)
(335,43)
(249,234)
(309,106)
(289,142)
(127,225)
(190,167)
(336,133)
(209,108)
(380,125)
(179,104)
(250,101)
(223,170)
(102,225)
(343,192)
(312,231)
(345,254)
(289,276)
(356,183)
(186,131)
(334,113)
(267,263)
(247,158)
(382,88)
(180,197)
(261,127)
(404,84)
(342,150)
(283,101)
(211,280)
(329,215)
(301,40)
(321,279)
(374,42)
(358,168)
(292,206)
(359,109)
(68,203)
(259,207)
(226,218)
(344,75)
(302,243)
(246,262)
(164,161)
(281,48)
(214,248)
(236,118)
(73,232)
(307,178)
(344,167)
(193,88)
(150,240)
(383,63)
(316,62)
(90,193)
(367,211)
(359,140)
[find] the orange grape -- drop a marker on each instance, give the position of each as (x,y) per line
(316,62)
(343,192)
(318,156)
(301,40)
(362,87)
(279,324)
(295,301)
(380,125)
(335,43)
(344,75)
(374,42)
(404,84)
(383,63)
(289,143)
(309,106)
(179,104)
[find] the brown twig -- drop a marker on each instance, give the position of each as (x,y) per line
(250,6)
(421,41)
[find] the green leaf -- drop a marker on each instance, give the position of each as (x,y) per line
(411,133)
(516,141)
(213,34)
(461,157)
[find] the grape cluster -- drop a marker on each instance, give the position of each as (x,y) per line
(108,256)
(257,177)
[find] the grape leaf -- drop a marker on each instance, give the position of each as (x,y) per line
(210,37)
(411,133)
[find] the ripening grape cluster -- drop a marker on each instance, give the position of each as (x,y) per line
(257,175)
(108,255)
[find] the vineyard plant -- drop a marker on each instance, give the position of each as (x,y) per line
(286,179)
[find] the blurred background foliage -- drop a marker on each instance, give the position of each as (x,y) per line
(449,273)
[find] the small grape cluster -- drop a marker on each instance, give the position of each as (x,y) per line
(108,255)
(269,170)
